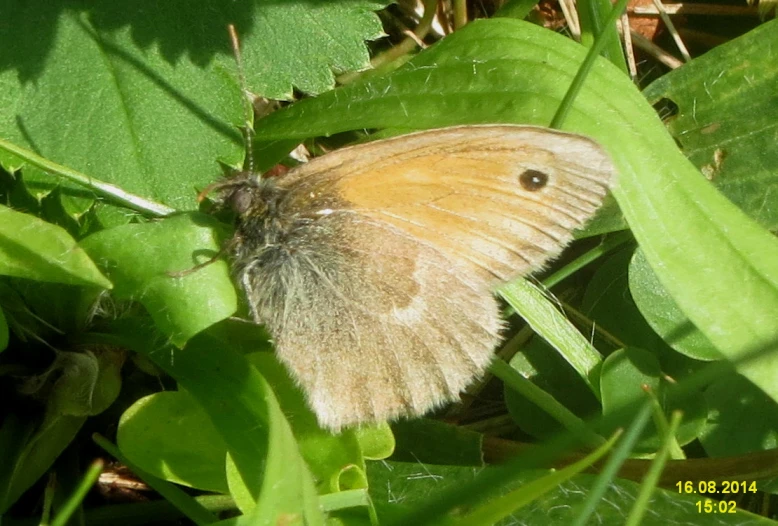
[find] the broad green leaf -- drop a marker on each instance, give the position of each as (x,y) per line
(107,91)
(68,308)
(663,314)
(741,420)
(318,37)
(260,442)
(86,382)
(625,376)
(151,103)
(728,118)
(140,257)
(34,249)
(170,436)
(425,440)
(610,302)
(720,266)
(34,449)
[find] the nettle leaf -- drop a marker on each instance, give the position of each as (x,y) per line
(301,44)
(34,249)
(727,118)
(151,103)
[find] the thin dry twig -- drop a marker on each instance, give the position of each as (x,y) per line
(628,49)
(571,17)
(655,51)
(672,30)
(695,9)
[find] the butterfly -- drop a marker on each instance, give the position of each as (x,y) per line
(373,267)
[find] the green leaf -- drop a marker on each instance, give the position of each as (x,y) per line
(86,382)
(539,363)
(741,420)
(592,15)
(260,442)
(67,308)
(160,107)
(3,331)
(425,440)
(139,258)
(170,436)
(625,376)
(728,118)
(34,249)
(77,385)
(505,505)
(34,448)
(187,505)
(377,442)
(400,486)
(609,302)
(318,37)
(546,320)
(663,314)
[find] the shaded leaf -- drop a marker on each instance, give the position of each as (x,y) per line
(539,363)
(626,376)
(664,315)
(425,440)
(727,118)
(34,449)
(609,302)
(400,486)
(34,249)
(3,331)
(271,470)
(742,418)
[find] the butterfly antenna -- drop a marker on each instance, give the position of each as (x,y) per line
(248,109)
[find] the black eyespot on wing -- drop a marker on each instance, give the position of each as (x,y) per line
(533,180)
